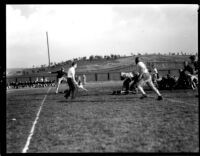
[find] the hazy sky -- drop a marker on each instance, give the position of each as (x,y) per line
(83,30)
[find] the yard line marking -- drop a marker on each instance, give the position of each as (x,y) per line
(34,123)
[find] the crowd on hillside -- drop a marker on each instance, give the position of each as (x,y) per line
(39,83)
(31,84)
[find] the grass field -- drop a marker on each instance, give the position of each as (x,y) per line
(97,121)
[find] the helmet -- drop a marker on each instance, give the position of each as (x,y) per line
(137,59)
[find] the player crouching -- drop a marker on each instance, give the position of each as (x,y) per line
(127,78)
(129,83)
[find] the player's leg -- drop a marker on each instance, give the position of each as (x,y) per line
(194,81)
(133,87)
(67,94)
(64,79)
(126,85)
(140,88)
(73,91)
(195,84)
(150,83)
(58,84)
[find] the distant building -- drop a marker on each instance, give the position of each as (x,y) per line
(12,73)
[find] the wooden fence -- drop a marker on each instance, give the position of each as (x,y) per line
(103,76)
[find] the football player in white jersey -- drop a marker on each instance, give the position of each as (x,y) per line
(145,77)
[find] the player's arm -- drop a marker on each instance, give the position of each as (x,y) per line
(73,78)
(139,71)
(53,72)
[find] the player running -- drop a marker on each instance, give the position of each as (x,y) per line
(145,77)
(60,77)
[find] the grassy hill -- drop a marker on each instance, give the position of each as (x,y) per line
(111,64)
(99,65)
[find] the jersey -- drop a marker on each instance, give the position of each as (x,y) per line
(127,75)
(71,72)
(141,68)
(60,73)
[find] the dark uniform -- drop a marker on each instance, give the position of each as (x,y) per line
(60,77)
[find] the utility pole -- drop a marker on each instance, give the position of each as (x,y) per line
(48,48)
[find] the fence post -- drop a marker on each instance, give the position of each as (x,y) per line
(95,76)
(108,76)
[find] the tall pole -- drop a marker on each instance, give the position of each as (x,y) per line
(48,48)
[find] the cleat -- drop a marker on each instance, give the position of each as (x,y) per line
(114,92)
(118,92)
(66,91)
(160,98)
(126,92)
(66,97)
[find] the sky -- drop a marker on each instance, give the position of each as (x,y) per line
(83,30)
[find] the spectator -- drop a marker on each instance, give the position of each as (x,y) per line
(84,79)
(194,62)
(155,71)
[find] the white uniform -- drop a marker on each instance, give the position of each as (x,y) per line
(144,73)
(71,72)
(141,67)
(145,77)
(127,75)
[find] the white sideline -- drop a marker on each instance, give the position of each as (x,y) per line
(34,123)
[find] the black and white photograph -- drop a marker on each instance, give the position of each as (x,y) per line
(102,78)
